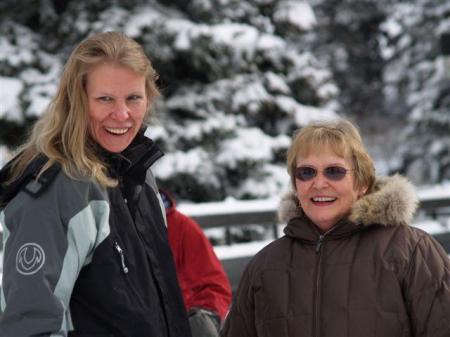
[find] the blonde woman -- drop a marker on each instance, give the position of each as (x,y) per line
(85,243)
(349,265)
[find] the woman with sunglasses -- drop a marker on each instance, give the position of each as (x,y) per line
(349,263)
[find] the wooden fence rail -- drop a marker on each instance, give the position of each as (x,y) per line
(434,208)
(431,208)
(266,215)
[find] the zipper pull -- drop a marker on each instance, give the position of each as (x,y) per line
(319,243)
(122,257)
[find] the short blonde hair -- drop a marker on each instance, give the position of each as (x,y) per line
(61,133)
(342,138)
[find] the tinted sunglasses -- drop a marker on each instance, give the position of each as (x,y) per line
(335,173)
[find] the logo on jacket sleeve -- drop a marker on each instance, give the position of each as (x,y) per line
(30,258)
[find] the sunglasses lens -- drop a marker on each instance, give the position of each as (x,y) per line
(335,172)
(305,173)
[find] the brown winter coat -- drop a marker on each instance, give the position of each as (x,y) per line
(371,275)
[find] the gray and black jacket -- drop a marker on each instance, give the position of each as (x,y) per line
(81,260)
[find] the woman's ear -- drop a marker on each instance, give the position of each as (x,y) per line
(362,192)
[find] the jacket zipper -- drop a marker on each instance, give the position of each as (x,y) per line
(317,301)
(317,307)
(122,257)
(128,279)
(319,243)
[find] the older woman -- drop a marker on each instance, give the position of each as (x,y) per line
(349,264)
(85,242)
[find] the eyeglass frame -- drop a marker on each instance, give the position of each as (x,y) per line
(343,172)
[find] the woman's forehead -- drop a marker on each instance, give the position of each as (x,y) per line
(338,149)
(322,157)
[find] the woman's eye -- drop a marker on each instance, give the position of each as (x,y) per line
(135,97)
(104,99)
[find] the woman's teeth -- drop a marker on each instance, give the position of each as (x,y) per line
(323,199)
(118,131)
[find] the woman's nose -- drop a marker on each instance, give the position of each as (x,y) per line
(121,110)
(320,181)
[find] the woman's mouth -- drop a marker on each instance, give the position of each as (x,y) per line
(117,131)
(323,200)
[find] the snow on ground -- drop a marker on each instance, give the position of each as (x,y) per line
(249,249)
(435,191)
(433,227)
(240,250)
(230,205)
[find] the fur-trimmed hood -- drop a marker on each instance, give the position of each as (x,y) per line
(392,203)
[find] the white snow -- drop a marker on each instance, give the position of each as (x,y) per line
(240,36)
(392,27)
(250,97)
(432,227)
(297,13)
(275,83)
(10,89)
(439,191)
(187,162)
(220,122)
(249,145)
(273,180)
(183,39)
(17,54)
(268,42)
(156,131)
(243,39)
(303,114)
(145,17)
(240,250)
(5,155)
(230,205)
(38,105)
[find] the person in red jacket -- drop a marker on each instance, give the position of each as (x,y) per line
(204,284)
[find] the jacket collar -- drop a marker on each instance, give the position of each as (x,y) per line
(142,151)
(393,202)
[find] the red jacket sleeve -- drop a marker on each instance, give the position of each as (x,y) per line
(201,276)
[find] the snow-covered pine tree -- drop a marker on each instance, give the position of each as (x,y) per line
(417,80)
(348,40)
(238,77)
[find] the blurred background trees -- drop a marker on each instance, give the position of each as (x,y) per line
(238,77)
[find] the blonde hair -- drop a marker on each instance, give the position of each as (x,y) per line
(62,133)
(342,138)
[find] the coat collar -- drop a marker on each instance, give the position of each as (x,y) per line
(142,151)
(393,202)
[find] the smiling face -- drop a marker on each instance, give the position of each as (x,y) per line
(323,200)
(117,104)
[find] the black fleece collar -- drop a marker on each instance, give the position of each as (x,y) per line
(142,151)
